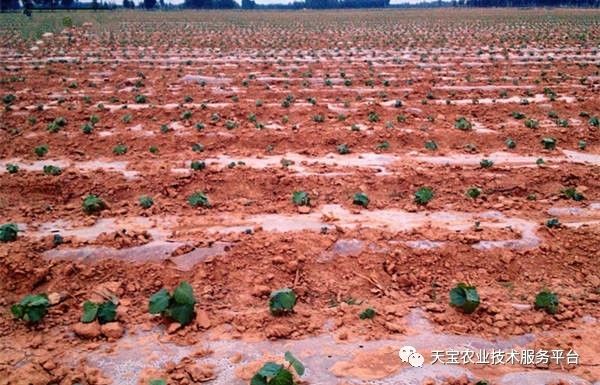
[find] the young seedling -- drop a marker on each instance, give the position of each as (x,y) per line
(549,143)
(157,381)
(319,118)
(423,195)
(383,146)
(87,128)
(300,198)
(368,313)
(518,115)
(532,123)
(431,145)
(12,168)
(8,232)
(463,124)
(32,308)
(465,297)
(57,124)
(146,201)
(57,239)
(547,301)
(153,150)
(343,149)
(199,126)
(594,121)
(140,99)
(41,150)
(473,192)
(373,117)
(510,143)
(282,301)
(93,204)
(198,199)
(486,163)
(103,312)
(582,144)
(9,99)
(52,170)
(119,149)
(197,165)
(572,193)
(272,373)
(179,306)
(360,199)
(197,147)
(553,223)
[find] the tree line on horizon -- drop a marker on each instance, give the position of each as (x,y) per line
(28,5)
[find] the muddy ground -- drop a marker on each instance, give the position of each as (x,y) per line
(215,88)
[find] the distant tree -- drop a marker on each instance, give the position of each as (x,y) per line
(248,4)
(9,4)
(224,4)
(149,4)
(67,3)
(95,4)
(197,3)
(162,3)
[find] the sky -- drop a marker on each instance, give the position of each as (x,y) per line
(291,1)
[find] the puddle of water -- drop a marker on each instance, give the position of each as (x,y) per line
(424,244)
(348,247)
(86,166)
(154,251)
(124,361)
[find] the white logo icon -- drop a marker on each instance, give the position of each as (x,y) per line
(405,352)
(409,354)
(416,360)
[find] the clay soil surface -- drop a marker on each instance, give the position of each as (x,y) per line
(504,103)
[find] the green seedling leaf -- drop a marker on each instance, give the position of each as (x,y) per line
(8,232)
(90,311)
(282,301)
(547,300)
(159,301)
(486,163)
(52,170)
(146,202)
(423,195)
(572,193)
(361,199)
(296,364)
(107,312)
(284,377)
(184,294)
(270,369)
(300,198)
(182,313)
(32,308)
(198,199)
(553,223)
(158,381)
(258,380)
(463,124)
(343,149)
(549,143)
(368,313)
(464,297)
(93,204)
